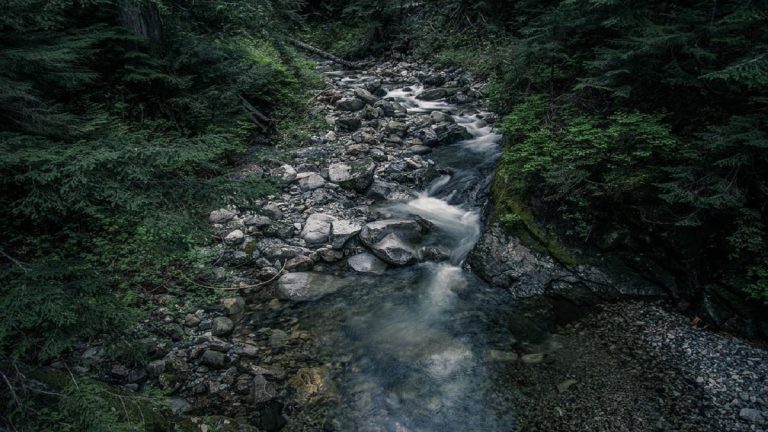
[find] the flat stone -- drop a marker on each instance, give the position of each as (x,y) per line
(432,94)
(355,176)
(307,286)
(366,263)
(257,221)
(343,230)
(500,356)
(393,250)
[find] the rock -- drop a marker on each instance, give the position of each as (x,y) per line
(94,354)
(262,390)
(397,128)
(393,250)
(221,216)
(420,149)
(534,358)
(406,229)
(343,230)
(752,415)
(310,181)
(330,136)
(441,117)
(500,356)
(178,405)
(278,338)
(233,305)
(274,249)
(327,255)
(234,238)
(432,94)
(348,124)
(307,286)
(366,263)
(451,133)
(222,326)
(350,104)
(365,95)
(310,384)
(434,80)
(434,254)
(299,263)
(213,359)
(156,368)
(565,385)
(273,211)
(257,221)
(285,172)
(317,229)
(356,176)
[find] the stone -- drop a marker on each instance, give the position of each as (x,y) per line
(350,104)
(262,390)
(406,229)
(365,95)
(275,249)
(327,255)
(222,326)
(221,216)
(278,338)
(500,356)
(342,230)
(420,149)
(310,384)
(317,229)
(178,405)
(214,359)
(330,136)
(752,415)
(348,124)
(285,172)
(432,94)
(397,128)
(257,221)
(393,250)
(441,117)
(310,181)
(233,305)
(272,210)
(306,286)
(155,368)
(356,176)
(234,238)
(450,133)
(299,263)
(534,358)
(366,263)
(565,385)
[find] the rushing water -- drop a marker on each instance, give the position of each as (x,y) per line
(419,347)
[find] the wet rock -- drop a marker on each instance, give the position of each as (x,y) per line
(221,216)
(233,305)
(317,229)
(310,181)
(311,384)
(752,415)
(393,250)
(356,176)
(565,385)
(274,249)
(342,231)
(366,263)
(451,133)
(406,229)
(441,117)
(420,149)
(306,286)
(222,326)
(432,94)
(214,359)
(262,390)
(365,95)
(350,104)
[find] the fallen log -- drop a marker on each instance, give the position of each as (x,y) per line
(324,54)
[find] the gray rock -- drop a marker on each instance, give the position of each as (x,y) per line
(278,338)
(257,221)
(262,390)
(310,181)
(285,172)
(307,286)
(342,231)
(432,94)
(178,405)
(406,229)
(274,249)
(366,263)
(420,149)
(317,229)
(393,250)
(222,326)
(273,211)
(752,415)
(327,255)
(234,238)
(450,133)
(156,368)
(441,117)
(299,263)
(350,104)
(348,124)
(213,359)
(365,95)
(221,216)
(356,176)
(532,358)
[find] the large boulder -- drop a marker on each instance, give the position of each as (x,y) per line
(317,229)
(307,286)
(356,176)
(450,133)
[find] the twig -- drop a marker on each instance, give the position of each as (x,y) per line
(13,391)
(14,260)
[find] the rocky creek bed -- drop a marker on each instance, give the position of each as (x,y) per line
(357,309)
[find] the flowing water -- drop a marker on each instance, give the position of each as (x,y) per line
(420,348)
